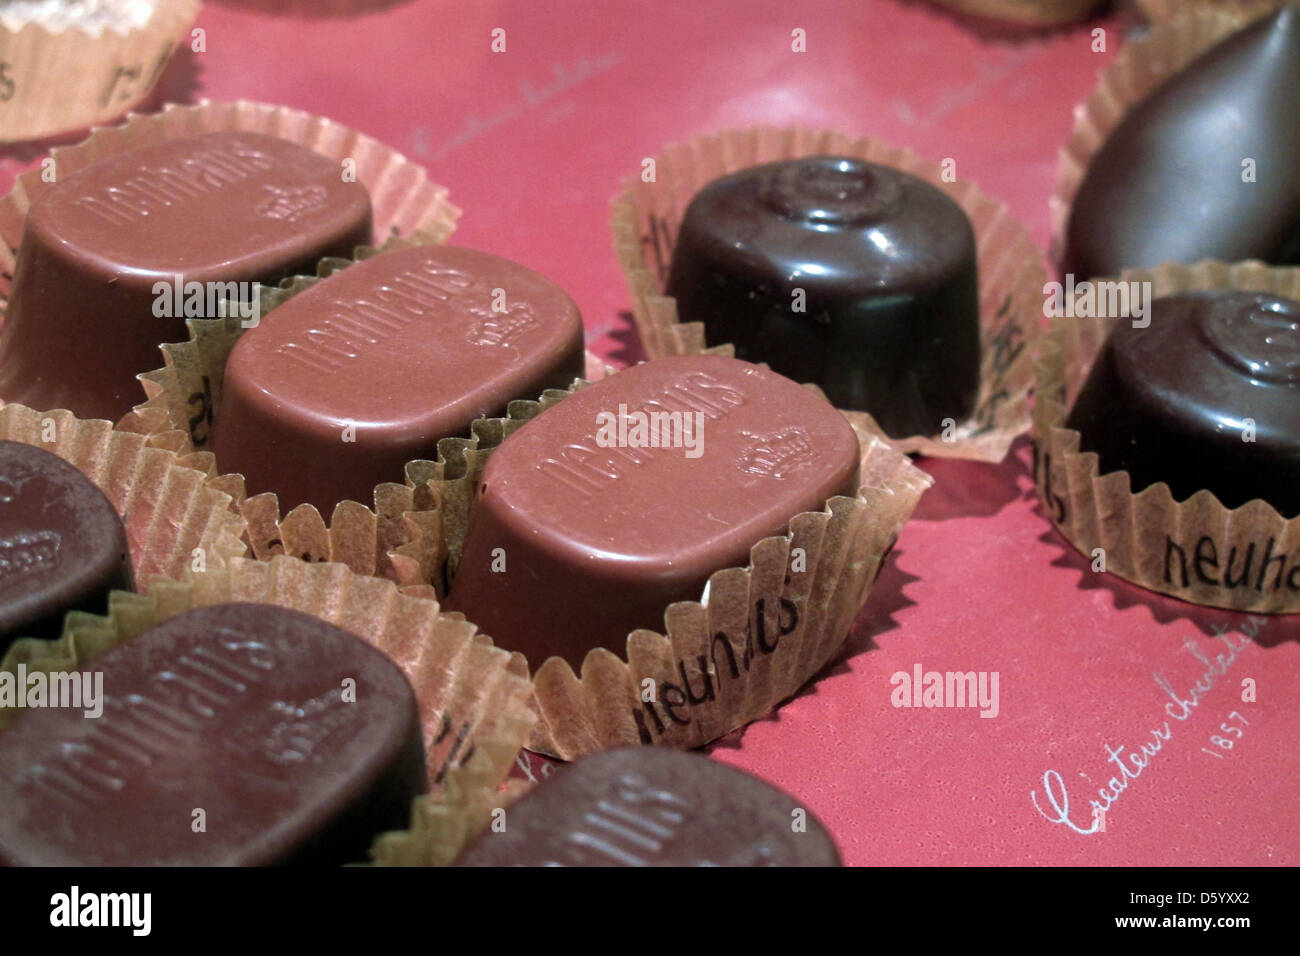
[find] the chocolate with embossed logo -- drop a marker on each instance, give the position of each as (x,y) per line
(575,541)
(237,734)
(366,370)
(62,544)
(651,806)
(221,207)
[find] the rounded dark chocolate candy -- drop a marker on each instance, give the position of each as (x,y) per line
(651,806)
(1204,167)
(96,286)
(1207,396)
(857,277)
(627,495)
(237,734)
(366,370)
(62,544)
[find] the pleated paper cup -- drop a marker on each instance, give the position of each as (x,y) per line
(178,519)
(1143,534)
(757,635)
(408,532)
(72,73)
(1136,71)
(1036,13)
(473,697)
(403,199)
(645,221)
(1160,11)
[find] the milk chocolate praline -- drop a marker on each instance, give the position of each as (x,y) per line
(232,735)
(102,249)
(1204,167)
(858,277)
(347,381)
(62,544)
(651,806)
(1207,396)
(578,536)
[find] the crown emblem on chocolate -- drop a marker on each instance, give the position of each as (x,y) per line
(776,454)
(500,328)
(291,204)
(300,728)
(28,553)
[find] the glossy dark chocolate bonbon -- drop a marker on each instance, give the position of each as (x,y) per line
(347,381)
(857,277)
(238,734)
(651,806)
(1208,396)
(582,534)
(87,311)
(1204,167)
(62,544)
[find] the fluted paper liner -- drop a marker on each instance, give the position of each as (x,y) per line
(176,518)
(403,199)
(412,530)
(473,697)
(1137,69)
(1045,13)
(65,79)
(1093,511)
(1011,271)
(759,635)
(1158,11)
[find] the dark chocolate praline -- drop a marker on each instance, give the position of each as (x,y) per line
(857,277)
(1207,396)
(1204,167)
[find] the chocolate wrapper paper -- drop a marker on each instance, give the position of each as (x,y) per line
(65,79)
(754,639)
(404,201)
(1011,271)
(1136,531)
(1138,69)
(177,519)
(473,697)
(408,533)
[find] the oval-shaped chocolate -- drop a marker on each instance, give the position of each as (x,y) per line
(854,276)
(1204,167)
(627,495)
(1207,396)
(651,806)
(347,381)
(117,255)
(237,734)
(62,544)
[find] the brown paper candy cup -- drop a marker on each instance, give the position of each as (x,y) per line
(473,697)
(1041,13)
(1159,11)
(405,202)
(55,80)
(177,520)
(758,634)
(1142,535)
(413,529)
(1138,69)
(1011,271)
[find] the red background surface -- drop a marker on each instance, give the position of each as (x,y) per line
(533,143)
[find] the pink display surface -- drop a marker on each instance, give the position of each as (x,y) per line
(533,143)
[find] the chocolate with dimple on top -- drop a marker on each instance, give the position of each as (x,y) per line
(1206,396)
(366,370)
(858,277)
(62,544)
(574,542)
(1204,167)
(237,734)
(94,291)
(651,806)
